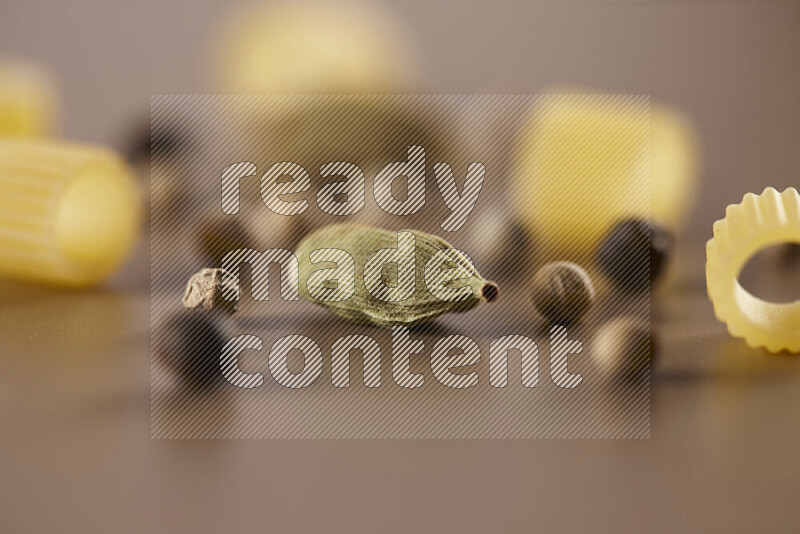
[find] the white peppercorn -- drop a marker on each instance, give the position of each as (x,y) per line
(623,348)
(562,292)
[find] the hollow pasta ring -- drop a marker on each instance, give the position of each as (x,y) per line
(760,221)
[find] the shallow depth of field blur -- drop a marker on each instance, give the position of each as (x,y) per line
(723,80)
(729,67)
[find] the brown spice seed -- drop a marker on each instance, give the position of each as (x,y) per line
(205,290)
(562,292)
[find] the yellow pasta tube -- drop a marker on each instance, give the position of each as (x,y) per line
(27,100)
(69,213)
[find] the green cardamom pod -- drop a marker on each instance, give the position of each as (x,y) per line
(374,276)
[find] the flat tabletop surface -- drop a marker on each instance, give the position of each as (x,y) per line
(75,447)
(77,452)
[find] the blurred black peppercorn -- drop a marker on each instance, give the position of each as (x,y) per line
(562,292)
(188,345)
(633,254)
(218,234)
(162,142)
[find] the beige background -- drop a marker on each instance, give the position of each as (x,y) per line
(75,453)
(731,65)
